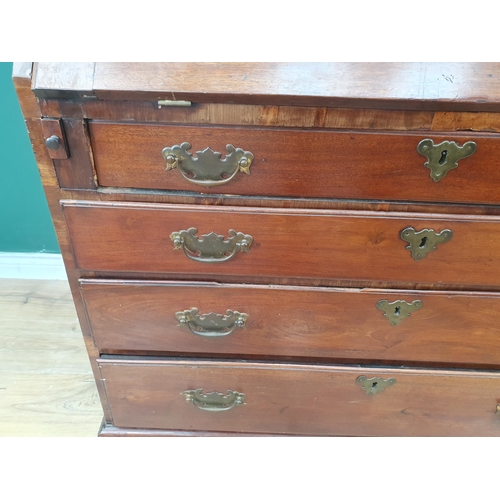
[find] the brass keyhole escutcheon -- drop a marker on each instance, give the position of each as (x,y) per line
(374,385)
(399,310)
(423,242)
(443,157)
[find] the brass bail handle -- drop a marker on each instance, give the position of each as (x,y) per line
(211,248)
(443,157)
(214,401)
(211,324)
(207,169)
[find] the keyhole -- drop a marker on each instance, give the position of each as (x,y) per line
(397,311)
(442,160)
(423,242)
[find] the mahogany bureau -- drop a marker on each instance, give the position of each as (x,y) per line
(280,249)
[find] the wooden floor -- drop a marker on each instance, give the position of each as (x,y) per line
(46,384)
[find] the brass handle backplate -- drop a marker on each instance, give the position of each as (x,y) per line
(374,385)
(208,169)
(425,241)
(211,324)
(441,158)
(397,311)
(211,247)
(214,401)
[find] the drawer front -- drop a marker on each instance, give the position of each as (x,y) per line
(301,399)
(377,326)
(297,163)
(282,243)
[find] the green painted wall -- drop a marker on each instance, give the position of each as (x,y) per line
(25,223)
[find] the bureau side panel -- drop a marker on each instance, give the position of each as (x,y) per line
(32,117)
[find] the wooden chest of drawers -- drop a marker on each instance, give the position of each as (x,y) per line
(286,249)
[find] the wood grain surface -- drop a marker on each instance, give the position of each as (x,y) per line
(108,430)
(256,115)
(287,243)
(303,399)
(305,164)
(122,232)
(273,116)
(140,316)
(77,171)
(448,86)
(74,76)
(46,383)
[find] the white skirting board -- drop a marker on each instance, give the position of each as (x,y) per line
(34,266)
